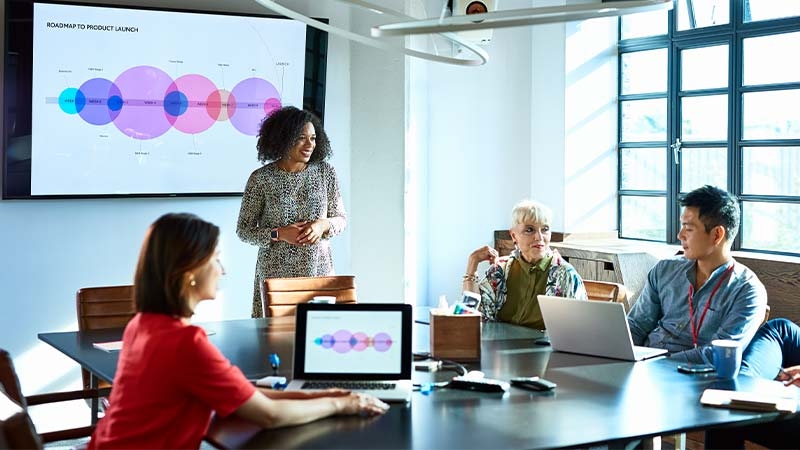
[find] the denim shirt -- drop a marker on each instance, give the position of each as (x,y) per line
(660,316)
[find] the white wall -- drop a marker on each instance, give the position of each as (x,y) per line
(538,121)
(478,156)
(590,128)
(377,159)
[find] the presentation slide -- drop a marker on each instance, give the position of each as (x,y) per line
(354,342)
(129,101)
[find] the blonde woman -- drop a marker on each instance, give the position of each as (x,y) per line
(510,285)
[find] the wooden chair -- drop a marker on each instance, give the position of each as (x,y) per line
(280,296)
(16,428)
(103,307)
(18,431)
(606,291)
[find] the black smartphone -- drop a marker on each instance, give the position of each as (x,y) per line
(695,368)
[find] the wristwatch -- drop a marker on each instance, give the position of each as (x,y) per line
(273,234)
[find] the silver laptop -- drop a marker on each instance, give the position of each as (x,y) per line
(591,328)
(361,347)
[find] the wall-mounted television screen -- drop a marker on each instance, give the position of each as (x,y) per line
(110,101)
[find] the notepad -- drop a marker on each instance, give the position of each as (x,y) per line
(751,401)
(112,346)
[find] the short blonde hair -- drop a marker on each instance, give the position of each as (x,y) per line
(529,211)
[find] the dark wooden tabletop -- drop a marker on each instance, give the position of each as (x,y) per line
(597,400)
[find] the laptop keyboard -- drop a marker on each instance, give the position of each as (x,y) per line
(349,385)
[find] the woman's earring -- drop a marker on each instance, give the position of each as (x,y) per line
(192,282)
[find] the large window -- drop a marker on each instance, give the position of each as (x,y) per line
(709,94)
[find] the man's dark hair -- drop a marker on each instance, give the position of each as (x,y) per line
(281,129)
(716,207)
(174,245)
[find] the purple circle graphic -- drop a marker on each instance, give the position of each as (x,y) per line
(197,90)
(97,91)
(251,96)
(341,341)
(326,341)
(143,89)
(382,342)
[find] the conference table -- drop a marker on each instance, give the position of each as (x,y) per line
(597,401)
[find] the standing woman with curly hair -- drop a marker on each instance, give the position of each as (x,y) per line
(292,205)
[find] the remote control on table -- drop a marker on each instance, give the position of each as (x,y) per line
(478,384)
(533,383)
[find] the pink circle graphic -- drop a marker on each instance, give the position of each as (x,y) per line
(218,105)
(195,119)
(231,103)
(341,341)
(272,105)
(143,89)
(362,341)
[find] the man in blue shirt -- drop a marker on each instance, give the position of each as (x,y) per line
(690,300)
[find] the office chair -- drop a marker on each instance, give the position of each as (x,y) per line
(280,296)
(103,307)
(606,291)
(18,431)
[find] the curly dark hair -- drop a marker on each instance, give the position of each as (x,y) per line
(716,207)
(281,129)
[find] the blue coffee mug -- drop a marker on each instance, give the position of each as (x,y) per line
(727,357)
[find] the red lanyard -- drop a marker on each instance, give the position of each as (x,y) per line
(696,330)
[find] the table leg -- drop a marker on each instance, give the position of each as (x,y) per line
(94,382)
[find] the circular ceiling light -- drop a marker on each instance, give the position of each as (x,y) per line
(519,17)
(455,45)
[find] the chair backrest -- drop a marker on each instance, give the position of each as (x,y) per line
(606,291)
(16,428)
(103,307)
(280,296)
(9,381)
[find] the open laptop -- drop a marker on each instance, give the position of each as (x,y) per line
(591,328)
(361,347)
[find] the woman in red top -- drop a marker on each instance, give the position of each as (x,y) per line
(170,377)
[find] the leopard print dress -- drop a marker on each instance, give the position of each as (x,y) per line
(275,198)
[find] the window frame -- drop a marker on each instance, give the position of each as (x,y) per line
(733,34)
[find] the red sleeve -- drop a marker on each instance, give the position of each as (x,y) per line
(212,378)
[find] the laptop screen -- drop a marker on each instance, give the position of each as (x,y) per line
(353,341)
